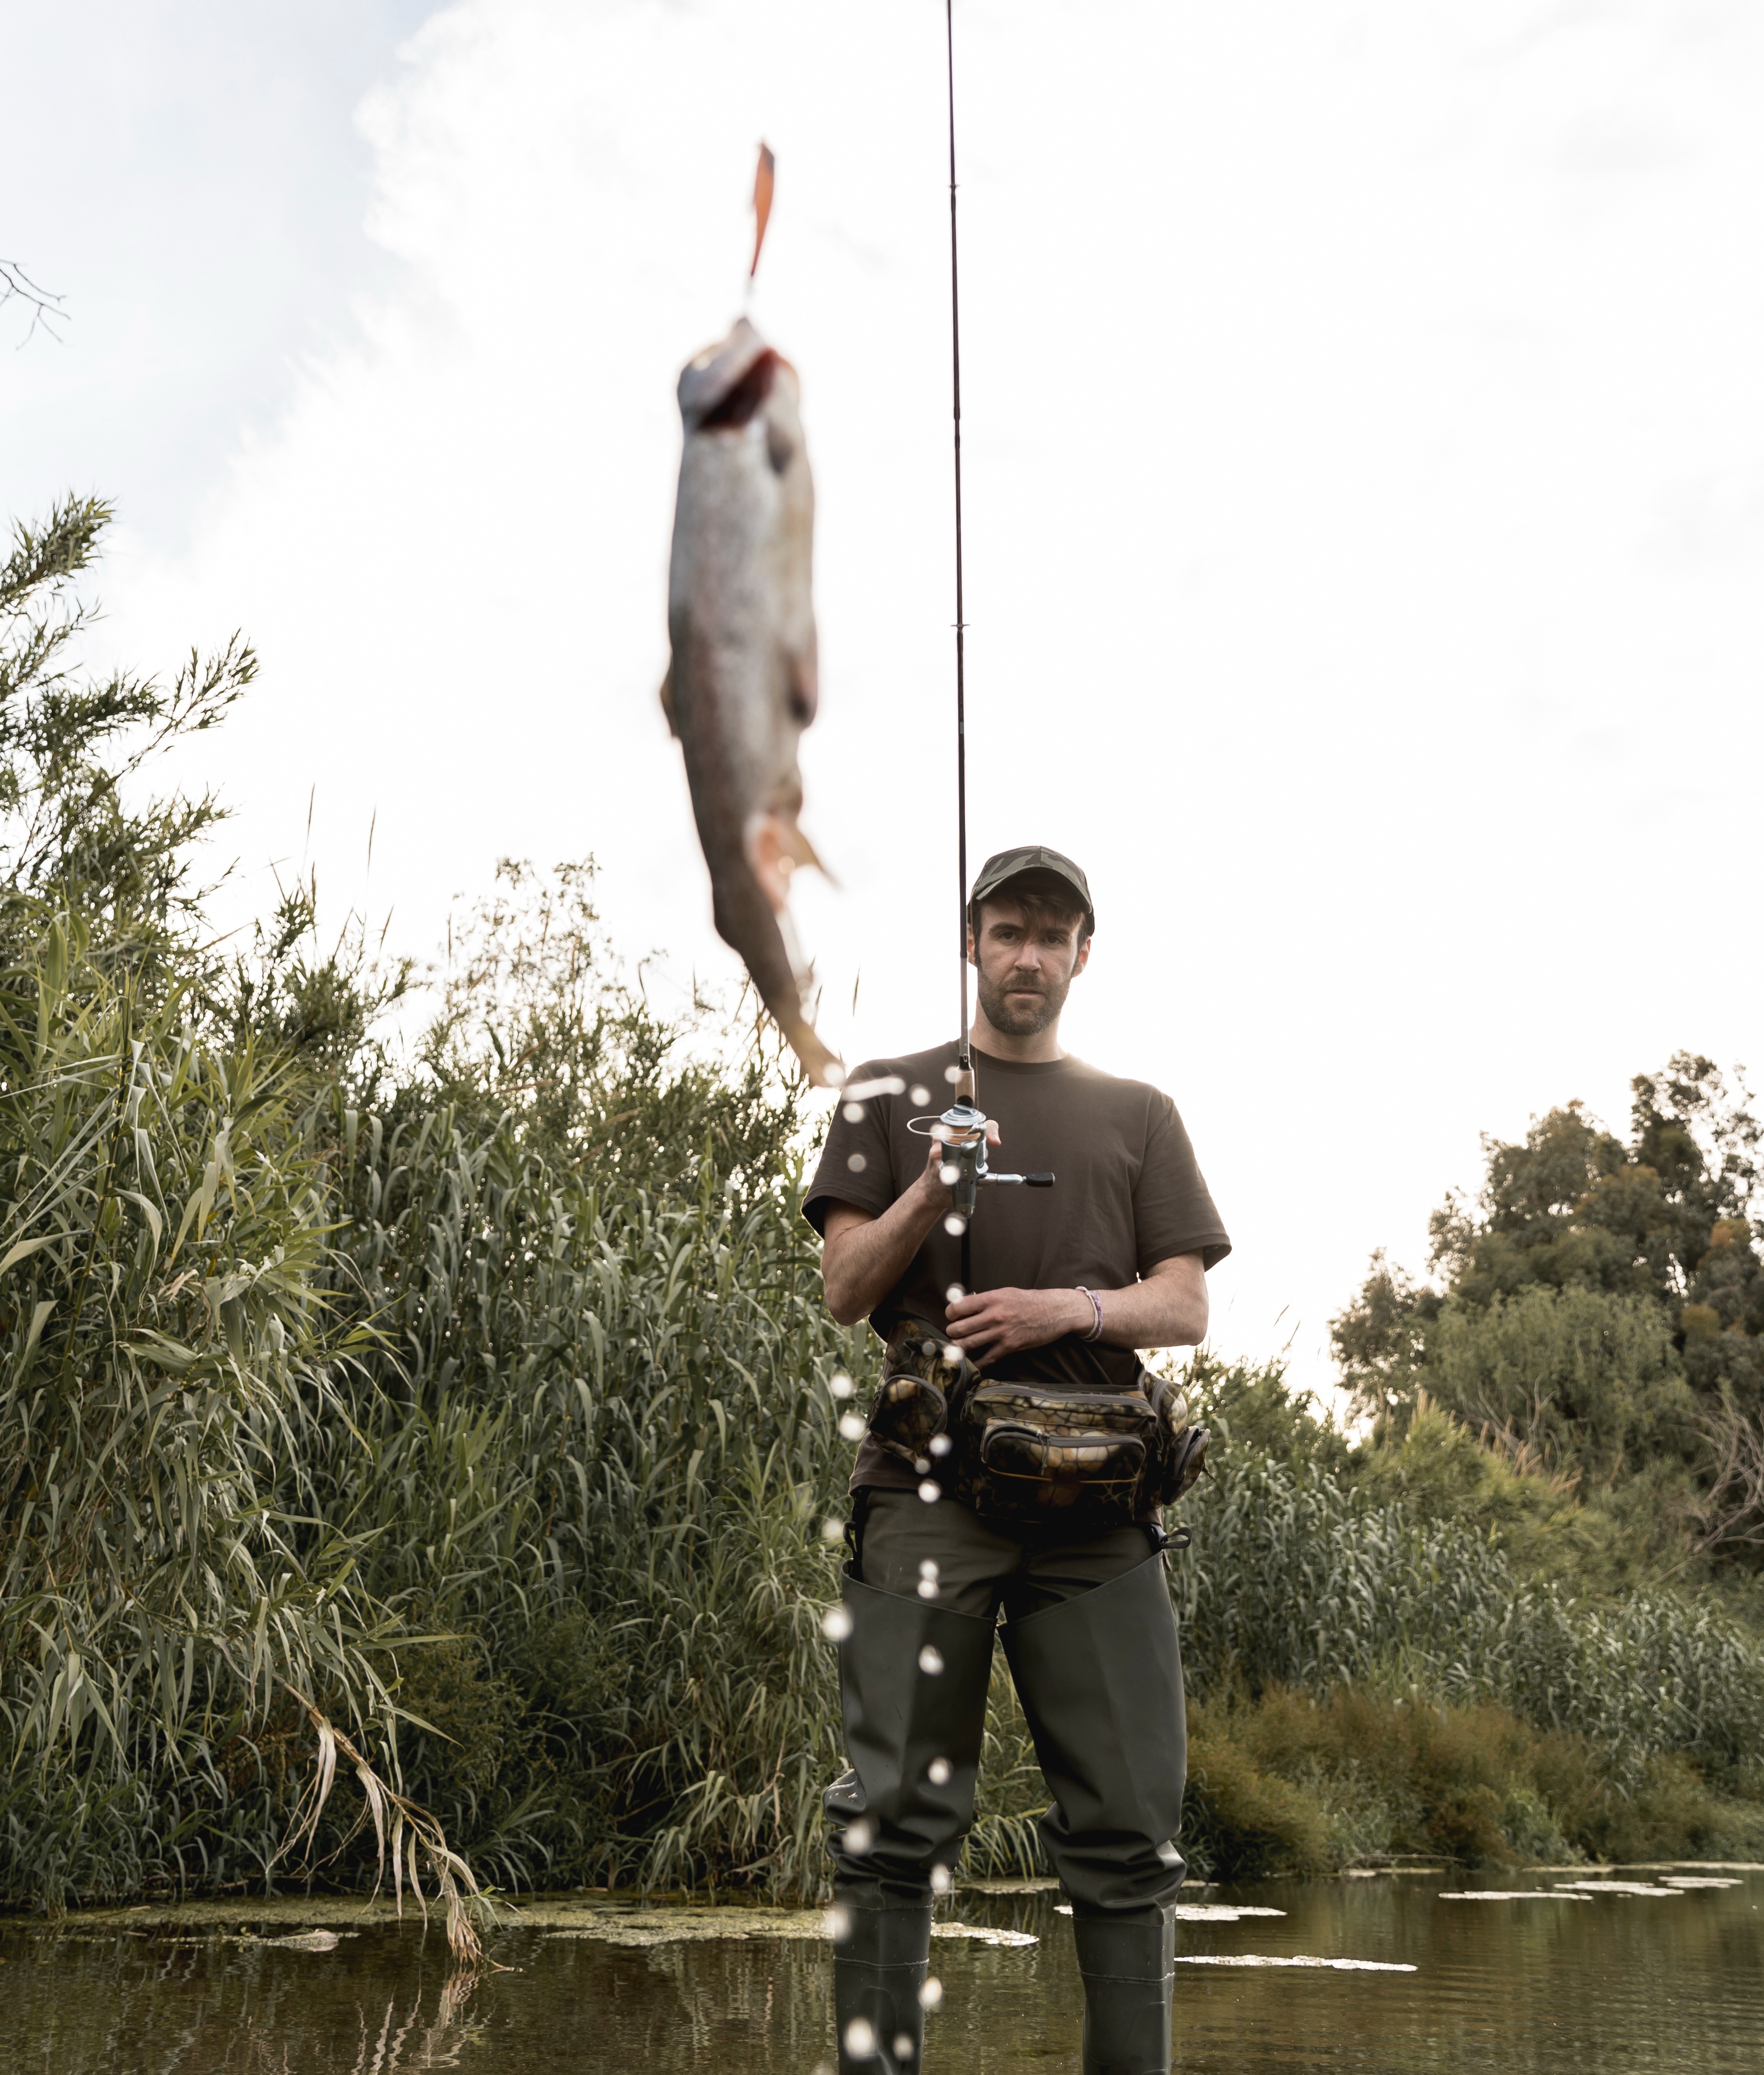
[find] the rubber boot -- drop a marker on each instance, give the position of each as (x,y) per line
(1129,1968)
(1101,1679)
(880,1958)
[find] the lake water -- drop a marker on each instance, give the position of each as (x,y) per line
(1614,1985)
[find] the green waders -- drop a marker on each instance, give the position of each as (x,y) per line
(1106,1716)
(1099,1678)
(913,1684)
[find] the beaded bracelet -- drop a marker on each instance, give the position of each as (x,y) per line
(1095,1332)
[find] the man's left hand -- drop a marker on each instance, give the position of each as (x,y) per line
(994,1322)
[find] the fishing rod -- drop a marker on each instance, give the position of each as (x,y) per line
(961,1128)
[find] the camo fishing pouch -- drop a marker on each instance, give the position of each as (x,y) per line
(1029,1455)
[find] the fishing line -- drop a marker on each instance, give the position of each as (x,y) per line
(962,1129)
(964,1056)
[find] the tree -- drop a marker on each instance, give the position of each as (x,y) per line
(43,304)
(71,745)
(1663,1220)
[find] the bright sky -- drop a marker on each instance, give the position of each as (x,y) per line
(1365,481)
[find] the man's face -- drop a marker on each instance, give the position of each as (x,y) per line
(1027,958)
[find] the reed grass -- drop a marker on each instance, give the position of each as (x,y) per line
(162,1341)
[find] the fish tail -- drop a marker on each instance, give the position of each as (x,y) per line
(746,922)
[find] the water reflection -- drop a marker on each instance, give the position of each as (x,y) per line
(1547,1982)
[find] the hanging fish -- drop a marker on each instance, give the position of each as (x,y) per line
(741,685)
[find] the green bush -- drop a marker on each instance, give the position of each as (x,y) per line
(1292,1783)
(1585,1381)
(1297,1579)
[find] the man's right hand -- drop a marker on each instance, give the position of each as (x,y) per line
(931,1182)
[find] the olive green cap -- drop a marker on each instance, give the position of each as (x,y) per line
(1008,864)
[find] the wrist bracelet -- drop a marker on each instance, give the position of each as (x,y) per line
(1095,1332)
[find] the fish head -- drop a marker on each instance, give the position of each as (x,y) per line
(727,385)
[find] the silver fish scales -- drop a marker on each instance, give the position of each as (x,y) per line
(742,683)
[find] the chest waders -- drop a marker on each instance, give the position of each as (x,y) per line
(1099,1678)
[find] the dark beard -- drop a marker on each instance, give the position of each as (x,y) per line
(1014,1020)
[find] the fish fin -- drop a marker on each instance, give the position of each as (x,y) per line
(763,181)
(667,702)
(771,843)
(802,851)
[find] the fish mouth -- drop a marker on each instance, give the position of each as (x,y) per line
(728,384)
(746,399)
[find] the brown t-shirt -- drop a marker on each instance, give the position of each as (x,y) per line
(1128,1195)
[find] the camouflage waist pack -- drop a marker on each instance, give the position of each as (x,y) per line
(1030,1454)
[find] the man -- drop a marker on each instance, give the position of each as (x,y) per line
(1068,1285)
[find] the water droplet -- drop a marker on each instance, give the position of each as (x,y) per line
(838,1923)
(857,1163)
(840,1383)
(931,1993)
(921,1463)
(921,1096)
(949,1173)
(832,1530)
(940,1444)
(903,2046)
(860,2038)
(928,1567)
(955,1226)
(835,1624)
(954,1293)
(952,1354)
(938,1772)
(929,1492)
(928,1589)
(859,1837)
(952,1074)
(930,1661)
(884,1084)
(851,1428)
(941,1882)
(854,1112)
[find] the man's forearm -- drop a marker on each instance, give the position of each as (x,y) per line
(863,1257)
(1166,1309)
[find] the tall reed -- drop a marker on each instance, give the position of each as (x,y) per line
(164,1343)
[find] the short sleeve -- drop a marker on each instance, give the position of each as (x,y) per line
(856,1165)
(1174,1212)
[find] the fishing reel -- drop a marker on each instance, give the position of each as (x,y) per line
(961,1130)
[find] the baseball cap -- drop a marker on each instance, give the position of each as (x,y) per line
(1008,864)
